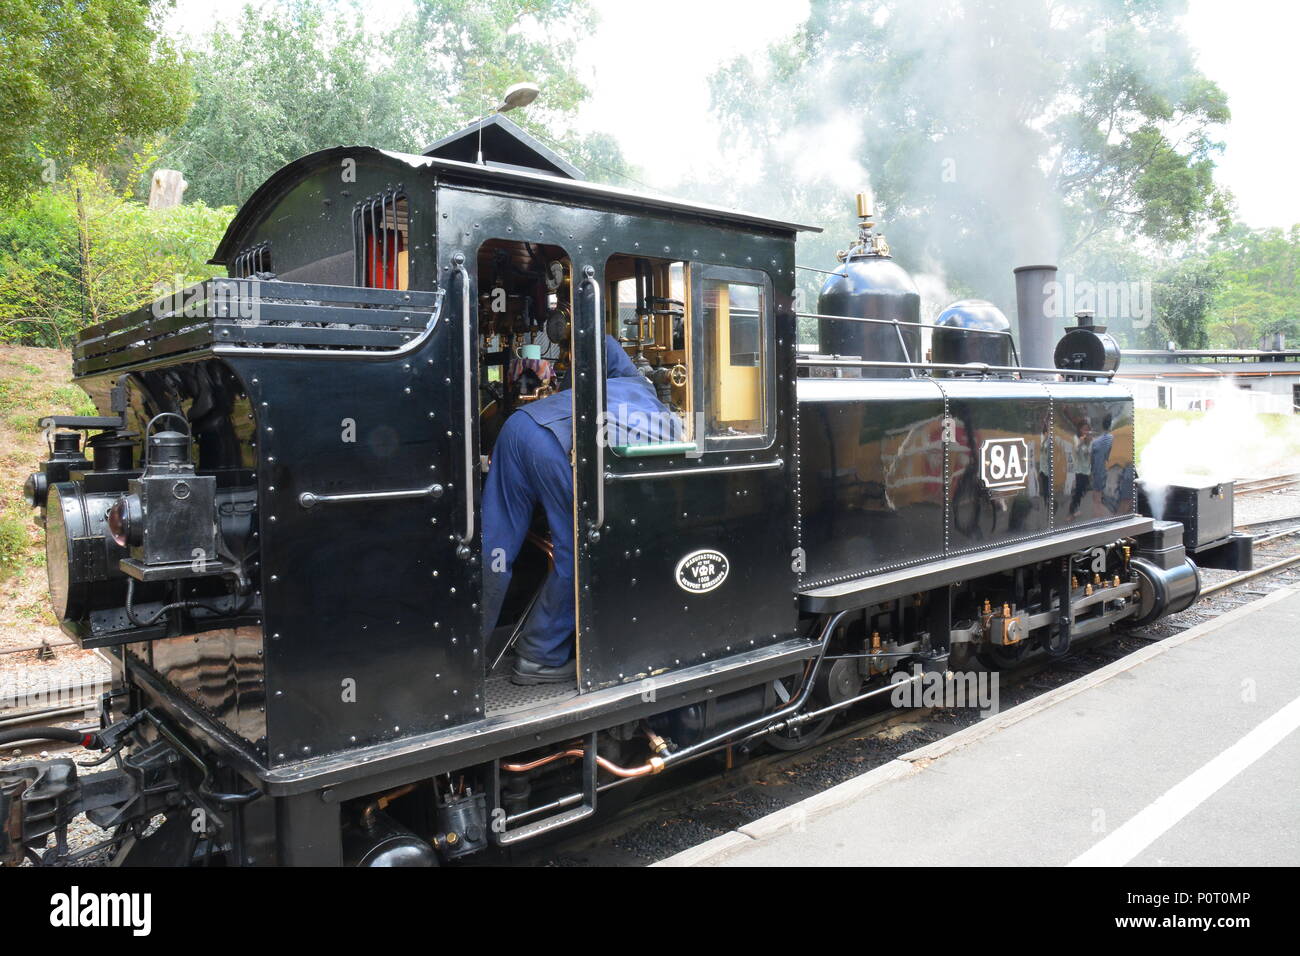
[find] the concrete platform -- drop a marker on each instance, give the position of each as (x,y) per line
(1184,753)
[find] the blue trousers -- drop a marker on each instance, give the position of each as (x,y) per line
(529,468)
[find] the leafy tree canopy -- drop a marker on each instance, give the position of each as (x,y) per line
(1181,296)
(292,78)
(79,252)
(1260,294)
(77,78)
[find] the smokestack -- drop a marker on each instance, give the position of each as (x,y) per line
(1036,332)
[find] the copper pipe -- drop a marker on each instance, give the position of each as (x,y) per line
(545,544)
(534,764)
(654,765)
(381,803)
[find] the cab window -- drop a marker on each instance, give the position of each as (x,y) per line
(734,334)
(647,312)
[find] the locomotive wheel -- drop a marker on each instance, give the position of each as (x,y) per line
(1000,657)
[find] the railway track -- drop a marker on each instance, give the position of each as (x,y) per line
(1255,486)
(79,700)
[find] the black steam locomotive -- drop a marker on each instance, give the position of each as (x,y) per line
(273,530)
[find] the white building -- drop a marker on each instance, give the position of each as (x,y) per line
(1192,378)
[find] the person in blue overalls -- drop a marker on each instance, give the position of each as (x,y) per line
(530,466)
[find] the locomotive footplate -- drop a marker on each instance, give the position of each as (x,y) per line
(354,773)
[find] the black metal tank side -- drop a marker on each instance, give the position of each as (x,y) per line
(971,330)
(869,286)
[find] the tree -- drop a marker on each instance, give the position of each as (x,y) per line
(77,253)
(292,78)
(1260,294)
(994,132)
(1181,299)
(77,77)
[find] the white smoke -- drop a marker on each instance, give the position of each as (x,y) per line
(1227,442)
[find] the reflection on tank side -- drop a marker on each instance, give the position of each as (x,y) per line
(871,475)
(221,671)
(983,413)
(1095,468)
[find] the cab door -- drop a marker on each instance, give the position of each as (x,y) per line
(687,550)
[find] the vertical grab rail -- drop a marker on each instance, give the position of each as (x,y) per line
(591,288)
(902,343)
(458,262)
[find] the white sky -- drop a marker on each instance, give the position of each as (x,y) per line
(1248,47)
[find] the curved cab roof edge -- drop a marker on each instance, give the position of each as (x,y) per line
(579,190)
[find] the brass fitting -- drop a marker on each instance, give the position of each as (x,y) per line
(657,743)
(656,765)
(864,205)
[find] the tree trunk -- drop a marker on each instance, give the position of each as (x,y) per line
(166,189)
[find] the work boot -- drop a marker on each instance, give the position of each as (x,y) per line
(528,672)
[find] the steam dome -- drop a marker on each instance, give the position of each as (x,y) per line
(971,330)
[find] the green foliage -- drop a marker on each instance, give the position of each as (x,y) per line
(77,78)
(1181,297)
(992,132)
(78,253)
(303,75)
(13,541)
(1260,294)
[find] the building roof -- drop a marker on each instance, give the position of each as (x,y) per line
(1205,369)
(1198,356)
(1168,364)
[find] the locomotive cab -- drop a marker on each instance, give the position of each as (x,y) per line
(327,415)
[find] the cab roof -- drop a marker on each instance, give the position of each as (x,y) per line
(506,178)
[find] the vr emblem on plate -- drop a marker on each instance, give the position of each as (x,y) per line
(702,571)
(1004,463)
